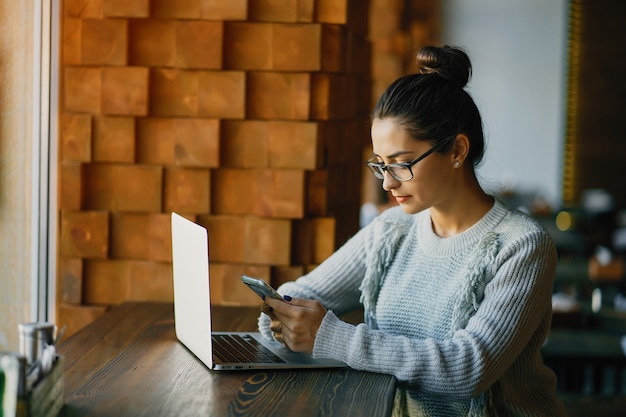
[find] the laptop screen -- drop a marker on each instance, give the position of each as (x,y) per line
(192,310)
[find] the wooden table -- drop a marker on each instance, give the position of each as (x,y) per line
(129,363)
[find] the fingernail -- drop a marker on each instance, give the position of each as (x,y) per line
(287,298)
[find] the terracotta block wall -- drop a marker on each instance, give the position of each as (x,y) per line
(248,116)
(397,29)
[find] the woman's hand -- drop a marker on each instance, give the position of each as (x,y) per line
(295,321)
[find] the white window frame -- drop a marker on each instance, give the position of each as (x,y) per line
(44,205)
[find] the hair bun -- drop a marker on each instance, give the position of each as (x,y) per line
(449,62)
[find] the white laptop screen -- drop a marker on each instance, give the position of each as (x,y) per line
(192,309)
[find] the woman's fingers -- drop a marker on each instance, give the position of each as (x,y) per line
(296,322)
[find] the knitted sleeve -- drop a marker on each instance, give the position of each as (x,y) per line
(337,282)
(515,302)
(334,283)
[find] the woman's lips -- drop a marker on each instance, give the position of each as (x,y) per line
(401,198)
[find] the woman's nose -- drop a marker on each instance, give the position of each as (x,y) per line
(389,182)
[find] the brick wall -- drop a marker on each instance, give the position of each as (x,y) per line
(248,117)
(397,29)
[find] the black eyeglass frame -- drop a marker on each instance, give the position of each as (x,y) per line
(378,169)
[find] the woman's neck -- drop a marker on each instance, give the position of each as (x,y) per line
(462,211)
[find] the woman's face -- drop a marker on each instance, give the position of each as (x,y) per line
(432,182)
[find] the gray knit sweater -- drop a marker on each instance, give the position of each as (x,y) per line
(459,321)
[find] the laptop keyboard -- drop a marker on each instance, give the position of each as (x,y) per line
(242,349)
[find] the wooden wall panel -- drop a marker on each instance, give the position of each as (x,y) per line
(104,42)
(248,116)
(113,139)
(76,130)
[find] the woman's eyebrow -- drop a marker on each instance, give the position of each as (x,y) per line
(393,155)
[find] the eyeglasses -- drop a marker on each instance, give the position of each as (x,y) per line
(402,171)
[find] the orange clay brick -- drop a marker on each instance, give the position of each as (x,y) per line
(225,10)
(306,10)
(262,192)
(150,281)
(332,96)
(104,42)
(314,240)
(174,92)
(132,188)
(70,186)
(82,9)
(244,144)
(295,145)
(144,236)
(160,235)
(72,40)
(250,240)
(74,317)
(156,140)
(117,281)
(296,47)
(248,46)
(197,142)
(187,190)
(129,235)
(178,9)
(138,188)
(84,234)
(280,193)
(274,95)
(226,285)
(125,91)
(126,8)
(71,271)
(317,193)
(222,94)
(334,135)
(76,138)
(183,142)
(199,44)
(226,237)
(99,186)
(104,282)
(114,139)
(82,89)
(267,241)
(273,46)
(352,13)
(282,274)
(332,11)
(323,238)
(334,50)
(274,10)
(152,42)
(242,201)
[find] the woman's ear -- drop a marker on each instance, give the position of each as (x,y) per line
(460,149)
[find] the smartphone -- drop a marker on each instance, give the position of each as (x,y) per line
(262,288)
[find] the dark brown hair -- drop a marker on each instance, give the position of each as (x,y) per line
(432,105)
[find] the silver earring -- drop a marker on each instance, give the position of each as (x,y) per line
(457,164)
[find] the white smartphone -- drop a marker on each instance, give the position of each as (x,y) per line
(262,288)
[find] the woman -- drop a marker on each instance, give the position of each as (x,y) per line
(455,286)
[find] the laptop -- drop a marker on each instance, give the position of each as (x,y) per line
(219,351)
